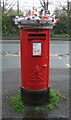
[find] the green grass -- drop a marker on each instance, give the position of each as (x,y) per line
(54,98)
(59,35)
(18,106)
(16,103)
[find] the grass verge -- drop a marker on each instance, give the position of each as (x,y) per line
(60,36)
(18,106)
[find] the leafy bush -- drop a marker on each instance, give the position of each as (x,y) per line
(62,27)
(8,26)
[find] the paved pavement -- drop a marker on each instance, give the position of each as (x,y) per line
(59,77)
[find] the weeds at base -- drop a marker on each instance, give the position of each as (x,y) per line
(18,106)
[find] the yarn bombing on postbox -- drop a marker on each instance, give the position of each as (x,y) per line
(36,19)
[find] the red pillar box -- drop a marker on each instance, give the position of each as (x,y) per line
(35,62)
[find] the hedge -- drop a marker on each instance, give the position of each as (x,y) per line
(8,26)
(10,29)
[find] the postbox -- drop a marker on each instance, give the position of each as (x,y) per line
(35,65)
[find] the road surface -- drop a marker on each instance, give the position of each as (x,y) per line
(59,55)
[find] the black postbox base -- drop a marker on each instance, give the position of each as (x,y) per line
(34,98)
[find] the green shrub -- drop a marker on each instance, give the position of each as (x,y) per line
(62,26)
(8,26)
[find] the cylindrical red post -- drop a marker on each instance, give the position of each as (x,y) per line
(35,65)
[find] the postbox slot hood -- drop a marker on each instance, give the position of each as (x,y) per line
(36,36)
